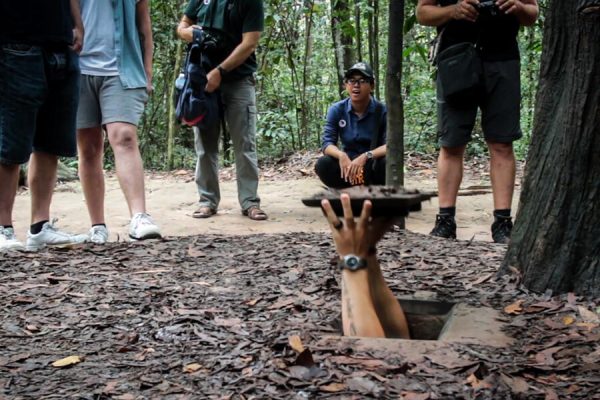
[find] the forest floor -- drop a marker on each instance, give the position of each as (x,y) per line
(252,310)
(172,197)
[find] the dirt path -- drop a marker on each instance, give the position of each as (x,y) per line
(172,198)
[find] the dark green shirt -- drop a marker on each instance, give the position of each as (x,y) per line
(38,22)
(226,21)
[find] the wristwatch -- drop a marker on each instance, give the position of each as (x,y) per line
(369,155)
(222,70)
(352,262)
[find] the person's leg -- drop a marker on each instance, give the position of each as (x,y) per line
(376,172)
(500,121)
(239,98)
(42,180)
(502,173)
(328,170)
(206,143)
(128,163)
(9,176)
(90,145)
(450,173)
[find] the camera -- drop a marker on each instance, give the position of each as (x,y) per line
(488,7)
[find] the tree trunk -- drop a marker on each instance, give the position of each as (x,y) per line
(373,38)
(393,97)
(556,239)
(342,40)
(358,30)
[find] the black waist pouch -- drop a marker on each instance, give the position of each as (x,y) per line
(459,70)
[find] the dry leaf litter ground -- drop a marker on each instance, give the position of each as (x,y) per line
(225,317)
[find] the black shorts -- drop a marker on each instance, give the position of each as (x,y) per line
(500,104)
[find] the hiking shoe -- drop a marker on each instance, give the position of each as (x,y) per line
(445,226)
(142,227)
(51,236)
(8,240)
(98,234)
(501,229)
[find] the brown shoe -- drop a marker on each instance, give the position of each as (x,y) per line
(255,213)
(204,212)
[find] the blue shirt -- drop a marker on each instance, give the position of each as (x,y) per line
(120,48)
(354,132)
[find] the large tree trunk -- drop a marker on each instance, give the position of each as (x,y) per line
(393,97)
(556,238)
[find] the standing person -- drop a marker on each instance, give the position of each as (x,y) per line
(116,79)
(493,26)
(39,87)
(359,122)
(236,26)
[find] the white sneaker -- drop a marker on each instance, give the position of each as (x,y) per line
(51,236)
(98,234)
(8,240)
(142,227)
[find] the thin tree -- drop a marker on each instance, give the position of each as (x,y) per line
(393,97)
(555,243)
(341,17)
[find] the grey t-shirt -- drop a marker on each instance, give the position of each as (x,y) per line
(98,57)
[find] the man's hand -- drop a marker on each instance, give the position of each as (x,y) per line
(213,80)
(510,6)
(350,237)
(77,39)
(466,10)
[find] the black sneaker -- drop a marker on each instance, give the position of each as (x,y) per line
(445,227)
(501,229)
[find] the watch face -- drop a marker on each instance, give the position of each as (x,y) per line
(353,263)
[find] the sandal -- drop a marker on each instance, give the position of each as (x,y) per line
(255,213)
(204,212)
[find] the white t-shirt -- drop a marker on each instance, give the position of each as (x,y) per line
(98,57)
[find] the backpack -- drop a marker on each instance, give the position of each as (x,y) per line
(194,106)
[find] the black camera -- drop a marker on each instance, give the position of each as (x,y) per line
(488,7)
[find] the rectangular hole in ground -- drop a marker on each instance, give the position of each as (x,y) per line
(426,318)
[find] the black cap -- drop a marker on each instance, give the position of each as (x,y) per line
(362,68)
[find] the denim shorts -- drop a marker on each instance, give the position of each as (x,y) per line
(39,92)
(103,100)
(500,104)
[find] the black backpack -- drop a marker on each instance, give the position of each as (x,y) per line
(194,106)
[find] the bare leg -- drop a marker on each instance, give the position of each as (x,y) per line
(90,145)
(358,314)
(42,180)
(450,173)
(9,176)
(128,162)
(388,309)
(502,173)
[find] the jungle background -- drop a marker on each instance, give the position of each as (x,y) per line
(305,46)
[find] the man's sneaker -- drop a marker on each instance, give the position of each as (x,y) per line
(445,226)
(8,240)
(51,236)
(142,227)
(501,229)
(98,234)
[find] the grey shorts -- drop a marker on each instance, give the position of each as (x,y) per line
(103,100)
(500,104)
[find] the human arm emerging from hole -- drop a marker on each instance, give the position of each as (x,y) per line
(369,308)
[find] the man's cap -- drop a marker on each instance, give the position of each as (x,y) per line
(362,68)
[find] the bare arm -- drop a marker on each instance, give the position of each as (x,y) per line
(234,60)
(526,11)
(77,26)
(145,30)
(185,29)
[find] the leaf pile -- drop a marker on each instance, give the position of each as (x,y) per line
(225,317)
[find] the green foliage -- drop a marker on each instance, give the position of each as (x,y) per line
(298,81)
